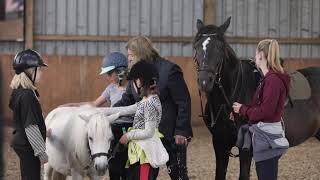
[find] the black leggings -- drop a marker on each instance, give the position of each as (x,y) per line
(268,169)
(29,165)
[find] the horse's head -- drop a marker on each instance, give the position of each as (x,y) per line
(99,136)
(210,53)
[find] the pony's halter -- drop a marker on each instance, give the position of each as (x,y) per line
(217,70)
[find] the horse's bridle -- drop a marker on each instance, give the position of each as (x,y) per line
(217,71)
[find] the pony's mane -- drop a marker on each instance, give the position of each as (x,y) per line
(98,123)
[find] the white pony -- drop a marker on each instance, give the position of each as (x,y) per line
(80,140)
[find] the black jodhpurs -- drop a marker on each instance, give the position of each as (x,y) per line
(29,164)
(268,169)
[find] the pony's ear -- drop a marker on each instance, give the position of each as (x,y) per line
(199,24)
(223,28)
(85,117)
(113,117)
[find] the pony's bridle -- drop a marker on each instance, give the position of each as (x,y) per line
(110,155)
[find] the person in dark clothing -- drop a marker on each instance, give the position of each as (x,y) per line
(265,111)
(175,100)
(29,132)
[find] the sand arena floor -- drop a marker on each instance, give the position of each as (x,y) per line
(301,162)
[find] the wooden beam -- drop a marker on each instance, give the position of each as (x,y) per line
(29,24)
(208,12)
(162,39)
(255,40)
(170,39)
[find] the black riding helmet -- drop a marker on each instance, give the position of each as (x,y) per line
(27,59)
(146,72)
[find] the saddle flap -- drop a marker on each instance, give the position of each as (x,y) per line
(299,86)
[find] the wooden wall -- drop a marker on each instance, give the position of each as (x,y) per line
(75,79)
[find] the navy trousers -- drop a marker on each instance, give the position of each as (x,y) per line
(268,169)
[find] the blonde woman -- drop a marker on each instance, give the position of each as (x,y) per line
(266,109)
(29,128)
(175,121)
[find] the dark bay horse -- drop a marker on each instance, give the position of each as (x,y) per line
(225,79)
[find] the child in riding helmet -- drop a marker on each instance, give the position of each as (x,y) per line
(115,66)
(145,150)
(29,127)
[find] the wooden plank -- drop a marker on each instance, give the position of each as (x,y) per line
(262,18)
(315,32)
(209,11)
(93,11)
(187,26)
(28,24)
(170,39)
(71,26)
(13,30)
(166,26)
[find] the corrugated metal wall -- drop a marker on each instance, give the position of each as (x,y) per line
(253,18)
(115,17)
(272,18)
(10,47)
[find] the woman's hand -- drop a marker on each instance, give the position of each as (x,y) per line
(231,117)
(181,140)
(124,139)
(236,107)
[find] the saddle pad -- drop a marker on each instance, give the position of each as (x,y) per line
(299,86)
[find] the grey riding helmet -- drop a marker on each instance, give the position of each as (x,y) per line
(114,61)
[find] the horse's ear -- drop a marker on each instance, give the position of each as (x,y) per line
(223,28)
(199,24)
(113,117)
(85,117)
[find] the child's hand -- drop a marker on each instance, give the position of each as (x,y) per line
(124,139)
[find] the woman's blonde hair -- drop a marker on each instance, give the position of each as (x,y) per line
(22,80)
(270,48)
(142,47)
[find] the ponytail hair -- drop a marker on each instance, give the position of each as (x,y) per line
(22,81)
(270,48)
